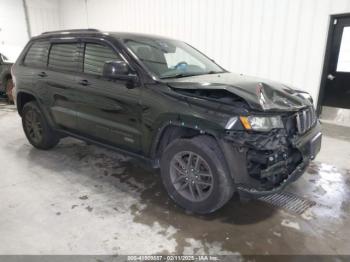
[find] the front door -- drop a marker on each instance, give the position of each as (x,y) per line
(337,87)
(108,110)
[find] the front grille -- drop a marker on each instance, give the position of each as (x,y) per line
(305,119)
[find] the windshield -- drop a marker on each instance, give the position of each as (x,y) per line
(171,58)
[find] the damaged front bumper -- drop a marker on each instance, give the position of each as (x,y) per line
(245,189)
(266,163)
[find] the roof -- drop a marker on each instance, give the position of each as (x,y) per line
(88,30)
(94,32)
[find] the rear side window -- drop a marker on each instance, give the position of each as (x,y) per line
(37,54)
(96,56)
(64,57)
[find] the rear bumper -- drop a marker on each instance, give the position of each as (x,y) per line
(306,146)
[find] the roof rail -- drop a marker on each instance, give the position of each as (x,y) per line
(71,31)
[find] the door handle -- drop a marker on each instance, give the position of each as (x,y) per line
(84,82)
(331,77)
(42,74)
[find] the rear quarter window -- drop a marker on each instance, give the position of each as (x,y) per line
(64,57)
(37,54)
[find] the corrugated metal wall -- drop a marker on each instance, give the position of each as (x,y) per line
(282,40)
(43,15)
(13,30)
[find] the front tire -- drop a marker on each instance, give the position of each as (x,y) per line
(195,176)
(37,129)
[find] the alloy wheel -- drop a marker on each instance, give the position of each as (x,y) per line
(33,126)
(191,176)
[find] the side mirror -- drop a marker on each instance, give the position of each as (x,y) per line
(116,69)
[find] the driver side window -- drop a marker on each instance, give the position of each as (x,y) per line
(96,56)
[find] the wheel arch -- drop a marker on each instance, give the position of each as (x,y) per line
(22,98)
(234,160)
(174,129)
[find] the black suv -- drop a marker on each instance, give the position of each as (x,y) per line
(211,132)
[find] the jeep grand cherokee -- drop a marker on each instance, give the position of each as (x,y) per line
(211,132)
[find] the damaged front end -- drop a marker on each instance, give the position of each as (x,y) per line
(265,162)
(272,135)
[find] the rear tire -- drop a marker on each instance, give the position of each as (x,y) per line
(195,176)
(37,129)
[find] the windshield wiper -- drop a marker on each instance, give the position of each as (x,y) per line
(179,75)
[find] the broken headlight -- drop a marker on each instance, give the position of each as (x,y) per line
(261,123)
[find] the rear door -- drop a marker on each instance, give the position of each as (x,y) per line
(62,90)
(108,110)
(33,68)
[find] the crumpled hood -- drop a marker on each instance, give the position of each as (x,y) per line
(260,94)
